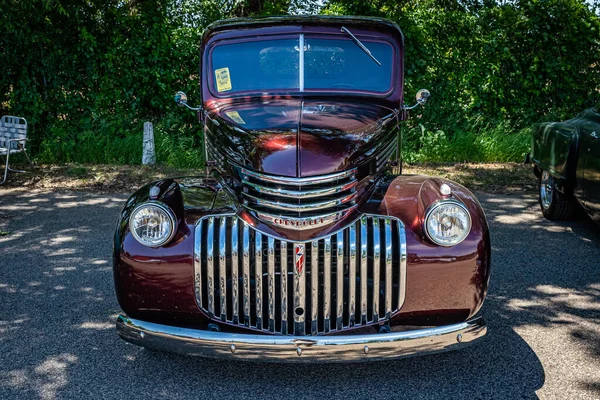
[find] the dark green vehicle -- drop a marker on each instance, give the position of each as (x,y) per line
(566,159)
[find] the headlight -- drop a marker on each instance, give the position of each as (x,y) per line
(447,223)
(152,224)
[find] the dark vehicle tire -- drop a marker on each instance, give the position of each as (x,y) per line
(556,206)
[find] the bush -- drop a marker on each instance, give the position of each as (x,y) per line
(87,74)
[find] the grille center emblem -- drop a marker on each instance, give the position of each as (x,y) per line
(299,250)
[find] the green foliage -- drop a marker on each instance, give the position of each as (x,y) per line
(87,73)
(477,141)
(493,67)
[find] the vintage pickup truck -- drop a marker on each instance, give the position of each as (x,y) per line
(566,160)
(299,242)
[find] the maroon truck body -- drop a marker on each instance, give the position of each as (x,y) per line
(324,270)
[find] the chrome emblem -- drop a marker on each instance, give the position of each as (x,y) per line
(299,251)
(304,223)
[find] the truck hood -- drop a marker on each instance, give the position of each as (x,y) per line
(295,138)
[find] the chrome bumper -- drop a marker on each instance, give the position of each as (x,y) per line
(251,347)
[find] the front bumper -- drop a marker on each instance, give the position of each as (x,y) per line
(252,347)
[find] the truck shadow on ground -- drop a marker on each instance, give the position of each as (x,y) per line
(57,312)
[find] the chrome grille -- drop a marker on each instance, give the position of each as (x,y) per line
(351,278)
(299,197)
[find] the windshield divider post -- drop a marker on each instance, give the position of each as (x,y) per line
(301,61)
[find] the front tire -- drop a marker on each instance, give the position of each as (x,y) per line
(556,206)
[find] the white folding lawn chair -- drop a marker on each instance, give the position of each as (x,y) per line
(13,136)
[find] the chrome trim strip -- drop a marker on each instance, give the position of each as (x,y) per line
(235,281)
(310,180)
(270,348)
(327,285)
(301,207)
(198,265)
(377,268)
(352,276)
(403,261)
(284,291)
(299,294)
(388,268)
(258,278)
(314,286)
(363,270)
(246,280)
(304,223)
(271,281)
(339,276)
(305,194)
(222,269)
(210,266)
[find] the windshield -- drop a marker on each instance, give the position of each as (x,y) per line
(280,65)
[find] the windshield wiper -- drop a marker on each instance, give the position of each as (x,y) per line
(359,44)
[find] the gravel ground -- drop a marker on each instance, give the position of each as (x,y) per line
(57,312)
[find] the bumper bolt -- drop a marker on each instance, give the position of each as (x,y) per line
(459,338)
(232,348)
(366,349)
(299,351)
(142,334)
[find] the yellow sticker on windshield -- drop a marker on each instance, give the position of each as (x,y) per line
(235,116)
(223,79)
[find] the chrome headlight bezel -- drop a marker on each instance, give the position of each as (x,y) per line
(164,208)
(435,206)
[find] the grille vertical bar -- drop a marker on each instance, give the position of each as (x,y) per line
(198,262)
(222,270)
(210,270)
(339,276)
(271,283)
(327,285)
(363,271)
(299,291)
(284,286)
(258,278)
(314,286)
(235,281)
(403,258)
(246,282)
(376,268)
(388,268)
(353,277)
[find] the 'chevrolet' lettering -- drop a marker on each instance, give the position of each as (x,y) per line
(295,223)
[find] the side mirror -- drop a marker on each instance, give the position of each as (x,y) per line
(422,96)
(180,98)
(181,101)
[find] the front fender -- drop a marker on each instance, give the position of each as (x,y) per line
(444,284)
(554,149)
(157,282)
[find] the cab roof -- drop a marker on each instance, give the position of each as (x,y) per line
(374,23)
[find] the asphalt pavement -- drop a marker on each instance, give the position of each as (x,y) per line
(57,313)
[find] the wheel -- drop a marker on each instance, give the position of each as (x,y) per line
(556,206)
